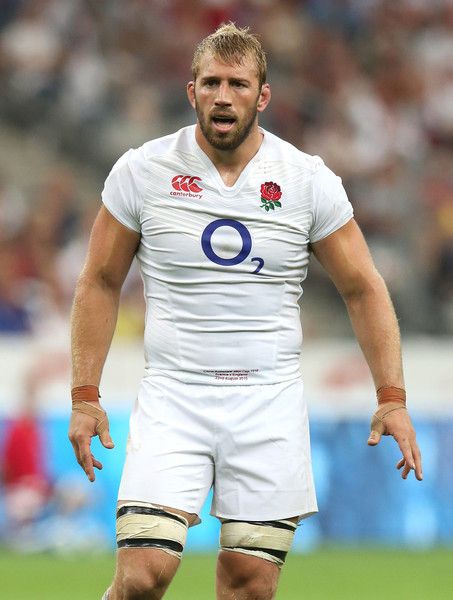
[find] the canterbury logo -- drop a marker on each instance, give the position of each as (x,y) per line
(186,183)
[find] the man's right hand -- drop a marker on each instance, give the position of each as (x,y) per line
(88,419)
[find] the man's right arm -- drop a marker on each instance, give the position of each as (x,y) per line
(95,309)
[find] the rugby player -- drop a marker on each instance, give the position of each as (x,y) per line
(223,217)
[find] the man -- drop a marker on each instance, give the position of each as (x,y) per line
(222,216)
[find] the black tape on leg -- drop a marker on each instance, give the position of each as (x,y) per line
(147,526)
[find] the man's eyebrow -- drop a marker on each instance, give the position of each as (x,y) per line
(230,79)
(239,80)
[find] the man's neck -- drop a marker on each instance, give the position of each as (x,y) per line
(231,163)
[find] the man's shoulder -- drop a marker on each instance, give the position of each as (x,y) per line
(281,150)
(180,141)
(135,161)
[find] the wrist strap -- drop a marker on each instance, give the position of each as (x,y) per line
(85,393)
(389,393)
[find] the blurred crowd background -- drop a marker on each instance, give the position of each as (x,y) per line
(366,84)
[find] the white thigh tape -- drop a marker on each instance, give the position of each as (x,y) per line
(270,540)
(143,525)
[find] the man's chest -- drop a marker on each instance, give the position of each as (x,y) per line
(260,226)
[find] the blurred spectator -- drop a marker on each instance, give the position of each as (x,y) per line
(438,195)
(41,515)
(25,482)
(31,240)
(13,214)
(13,314)
(31,51)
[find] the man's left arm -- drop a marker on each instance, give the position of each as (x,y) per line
(345,256)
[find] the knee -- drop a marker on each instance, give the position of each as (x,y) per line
(141,584)
(248,577)
(255,587)
(135,586)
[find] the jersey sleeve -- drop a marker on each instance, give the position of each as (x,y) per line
(331,207)
(120,194)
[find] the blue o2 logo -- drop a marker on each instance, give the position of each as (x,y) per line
(246,238)
(243,232)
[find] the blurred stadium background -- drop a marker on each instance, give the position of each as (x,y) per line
(366,84)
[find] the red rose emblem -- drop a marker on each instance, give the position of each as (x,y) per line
(271,191)
(270,195)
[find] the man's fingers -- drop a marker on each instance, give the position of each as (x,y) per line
(374,439)
(75,447)
(81,444)
(418,463)
(405,472)
(406,450)
(377,430)
(397,423)
(96,463)
(106,440)
(85,424)
(86,462)
(418,471)
(411,461)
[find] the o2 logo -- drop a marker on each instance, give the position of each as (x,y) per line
(246,238)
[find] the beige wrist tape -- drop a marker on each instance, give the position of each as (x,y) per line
(102,423)
(389,399)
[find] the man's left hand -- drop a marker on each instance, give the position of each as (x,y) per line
(398,424)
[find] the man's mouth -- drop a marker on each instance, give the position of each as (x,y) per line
(223,123)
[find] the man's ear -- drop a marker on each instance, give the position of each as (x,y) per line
(264,97)
(191,93)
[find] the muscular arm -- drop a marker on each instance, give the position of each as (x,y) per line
(110,253)
(346,258)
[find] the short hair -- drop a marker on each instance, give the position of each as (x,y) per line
(231,44)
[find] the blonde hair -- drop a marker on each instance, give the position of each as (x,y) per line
(231,44)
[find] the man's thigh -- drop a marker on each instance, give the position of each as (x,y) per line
(169,452)
(245,572)
(263,462)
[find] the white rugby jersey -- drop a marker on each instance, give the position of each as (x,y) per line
(223,266)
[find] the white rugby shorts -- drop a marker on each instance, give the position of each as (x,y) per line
(250,443)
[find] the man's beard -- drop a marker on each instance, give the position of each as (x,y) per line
(230,140)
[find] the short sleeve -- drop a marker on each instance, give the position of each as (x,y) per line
(120,194)
(331,207)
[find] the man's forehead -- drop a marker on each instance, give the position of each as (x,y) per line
(242,67)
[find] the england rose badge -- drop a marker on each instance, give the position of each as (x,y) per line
(270,196)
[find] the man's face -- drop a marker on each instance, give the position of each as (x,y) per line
(227,98)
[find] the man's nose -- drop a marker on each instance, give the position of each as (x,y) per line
(223,94)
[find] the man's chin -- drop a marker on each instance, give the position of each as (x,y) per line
(223,141)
